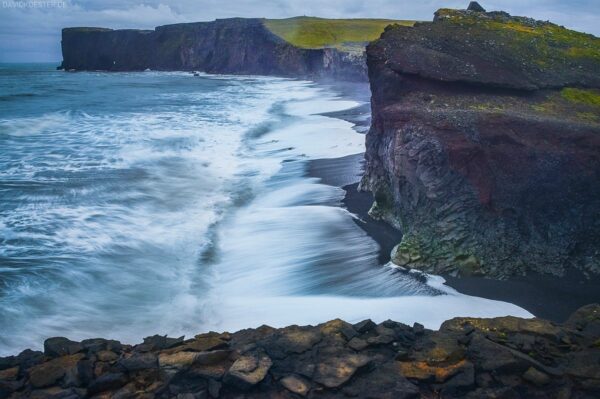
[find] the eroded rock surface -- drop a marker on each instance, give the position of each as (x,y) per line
(485,142)
(503,357)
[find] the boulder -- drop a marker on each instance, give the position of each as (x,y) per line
(364,326)
(536,377)
(95,345)
(295,384)
(107,382)
(423,371)
(9,374)
(60,346)
(247,371)
(182,360)
(139,361)
(491,356)
(49,373)
(107,356)
(335,371)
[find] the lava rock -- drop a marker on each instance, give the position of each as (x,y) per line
(60,346)
(247,371)
(475,7)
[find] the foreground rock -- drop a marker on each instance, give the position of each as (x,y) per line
(467,358)
(484,144)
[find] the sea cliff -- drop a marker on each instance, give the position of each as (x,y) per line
(228,46)
(467,358)
(484,144)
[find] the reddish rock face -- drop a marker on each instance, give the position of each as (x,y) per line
(480,150)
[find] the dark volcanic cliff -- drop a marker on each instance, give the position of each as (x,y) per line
(236,46)
(485,144)
(468,358)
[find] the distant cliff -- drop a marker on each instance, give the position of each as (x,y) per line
(485,144)
(236,46)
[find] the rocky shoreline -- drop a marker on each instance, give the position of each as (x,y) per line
(503,357)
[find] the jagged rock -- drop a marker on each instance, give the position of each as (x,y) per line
(466,358)
(60,346)
(341,327)
(586,320)
(334,372)
(107,356)
(491,356)
(139,361)
(294,340)
(56,393)
(158,342)
(383,382)
(536,377)
(364,326)
(95,345)
(206,342)
(421,370)
(295,384)
(475,7)
(51,372)
(357,344)
(214,388)
(107,382)
(248,371)
(182,360)
(9,374)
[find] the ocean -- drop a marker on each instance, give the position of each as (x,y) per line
(161,202)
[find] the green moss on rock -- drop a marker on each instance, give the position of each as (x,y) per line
(587,97)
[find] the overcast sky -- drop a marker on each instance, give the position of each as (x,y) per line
(30,29)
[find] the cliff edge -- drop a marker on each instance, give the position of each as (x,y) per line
(485,144)
(296,47)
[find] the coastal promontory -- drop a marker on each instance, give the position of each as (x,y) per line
(305,47)
(485,144)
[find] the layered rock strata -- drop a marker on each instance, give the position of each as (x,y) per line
(485,144)
(226,46)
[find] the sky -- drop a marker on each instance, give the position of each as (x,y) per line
(30,29)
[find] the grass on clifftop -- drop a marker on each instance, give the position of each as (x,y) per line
(587,97)
(344,34)
(543,42)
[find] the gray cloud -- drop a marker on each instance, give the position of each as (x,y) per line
(32,33)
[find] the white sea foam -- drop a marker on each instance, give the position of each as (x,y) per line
(185,208)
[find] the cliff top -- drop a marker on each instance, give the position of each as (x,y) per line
(344,34)
(303,32)
(494,48)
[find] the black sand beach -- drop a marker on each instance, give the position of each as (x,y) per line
(546,296)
